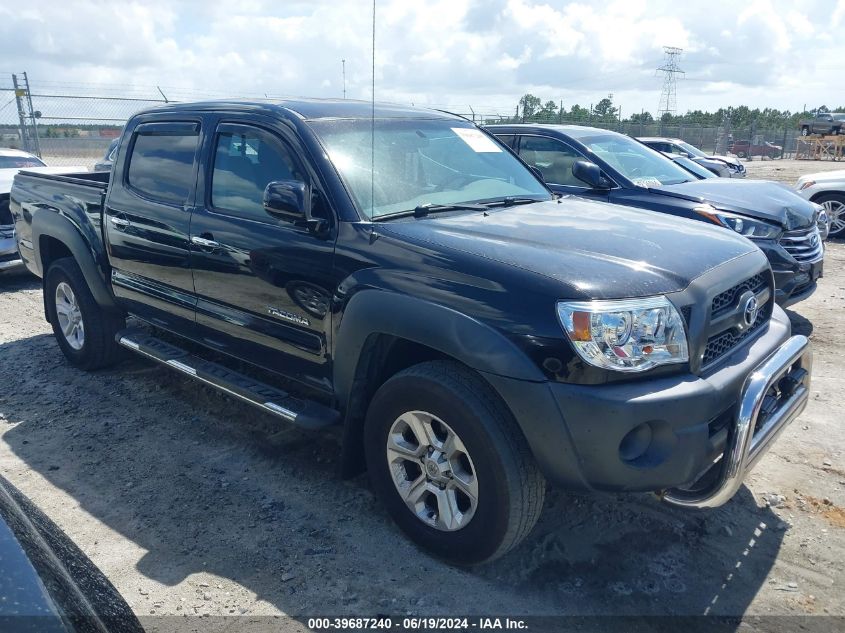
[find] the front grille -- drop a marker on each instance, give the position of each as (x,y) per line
(727,329)
(7,232)
(723,301)
(721,344)
(803,244)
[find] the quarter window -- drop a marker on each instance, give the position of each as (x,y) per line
(245,162)
(162,164)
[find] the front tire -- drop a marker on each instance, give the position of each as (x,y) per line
(84,331)
(805,131)
(449,463)
(834,204)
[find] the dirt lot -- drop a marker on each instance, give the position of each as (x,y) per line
(787,171)
(194,504)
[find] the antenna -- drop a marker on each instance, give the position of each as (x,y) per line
(343,63)
(670,68)
(373,124)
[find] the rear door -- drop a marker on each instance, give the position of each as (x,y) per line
(263,284)
(147,220)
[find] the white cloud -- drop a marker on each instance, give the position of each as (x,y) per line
(484,53)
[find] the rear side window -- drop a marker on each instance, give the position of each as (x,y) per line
(162,162)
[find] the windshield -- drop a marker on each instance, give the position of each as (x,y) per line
(19,162)
(695,168)
(691,149)
(839,117)
(423,162)
(642,165)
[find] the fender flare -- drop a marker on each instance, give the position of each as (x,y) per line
(62,229)
(444,329)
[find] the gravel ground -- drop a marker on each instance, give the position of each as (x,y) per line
(191,503)
(787,171)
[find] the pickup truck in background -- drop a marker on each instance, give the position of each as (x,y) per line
(749,149)
(412,281)
(823,123)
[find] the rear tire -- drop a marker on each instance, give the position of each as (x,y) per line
(424,410)
(805,131)
(84,331)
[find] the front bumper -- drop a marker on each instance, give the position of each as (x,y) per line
(652,434)
(794,280)
(9,257)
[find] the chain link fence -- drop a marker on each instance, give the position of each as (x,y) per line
(785,139)
(73,124)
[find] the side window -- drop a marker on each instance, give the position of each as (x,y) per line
(245,161)
(161,165)
(552,158)
(507,139)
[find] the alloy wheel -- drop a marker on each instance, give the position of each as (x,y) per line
(69,316)
(432,471)
(836,216)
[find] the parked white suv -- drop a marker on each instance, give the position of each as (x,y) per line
(827,189)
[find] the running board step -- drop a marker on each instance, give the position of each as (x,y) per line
(305,413)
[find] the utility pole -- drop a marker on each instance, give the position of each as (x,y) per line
(26,115)
(670,70)
(343,63)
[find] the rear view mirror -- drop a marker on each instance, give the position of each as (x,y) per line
(288,200)
(589,173)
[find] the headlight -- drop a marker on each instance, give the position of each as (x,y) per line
(822,221)
(628,335)
(806,184)
(754,229)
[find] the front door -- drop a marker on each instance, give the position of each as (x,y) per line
(554,159)
(147,219)
(263,284)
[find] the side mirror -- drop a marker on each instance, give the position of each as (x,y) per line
(589,173)
(287,200)
(290,201)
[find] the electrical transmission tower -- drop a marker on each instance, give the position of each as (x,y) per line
(670,70)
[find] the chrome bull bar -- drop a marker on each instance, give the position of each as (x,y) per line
(789,370)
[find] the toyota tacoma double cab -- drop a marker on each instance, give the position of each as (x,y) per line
(405,276)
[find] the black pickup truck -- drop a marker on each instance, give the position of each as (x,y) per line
(413,281)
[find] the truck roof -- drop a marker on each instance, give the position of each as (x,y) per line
(309,109)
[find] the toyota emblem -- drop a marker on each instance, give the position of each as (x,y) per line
(814,240)
(750,311)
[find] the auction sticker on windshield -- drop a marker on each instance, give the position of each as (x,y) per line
(476,139)
(646,182)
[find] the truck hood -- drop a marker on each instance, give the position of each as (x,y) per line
(8,175)
(759,199)
(597,250)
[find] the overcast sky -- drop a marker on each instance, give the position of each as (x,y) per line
(446,53)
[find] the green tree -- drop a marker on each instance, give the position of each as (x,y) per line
(529,104)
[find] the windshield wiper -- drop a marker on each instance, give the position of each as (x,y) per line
(509,201)
(424,209)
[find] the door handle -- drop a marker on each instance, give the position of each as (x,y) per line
(204,243)
(119,222)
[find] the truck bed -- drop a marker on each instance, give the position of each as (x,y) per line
(76,196)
